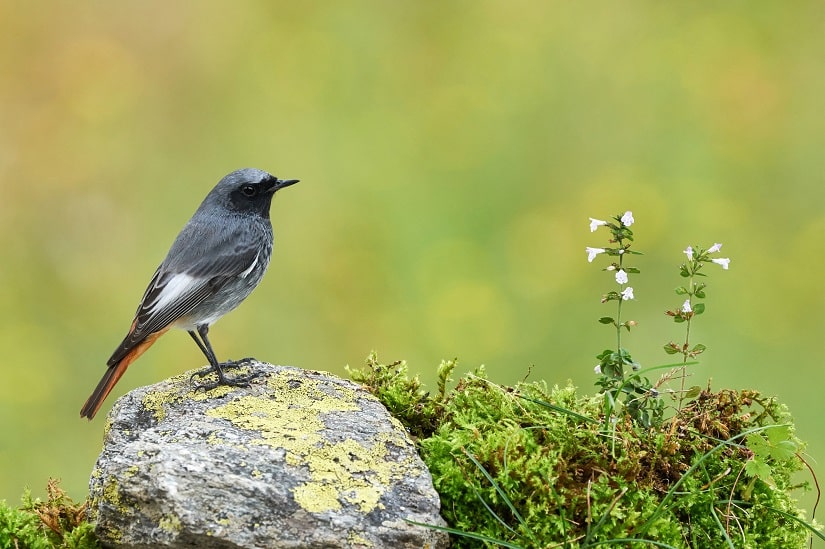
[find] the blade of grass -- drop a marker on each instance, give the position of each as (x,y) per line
(604,515)
(493,513)
(660,508)
(623,541)
(462,533)
(559,409)
(501,493)
(721,526)
(804,524)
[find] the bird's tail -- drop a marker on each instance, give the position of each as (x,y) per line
(113,374)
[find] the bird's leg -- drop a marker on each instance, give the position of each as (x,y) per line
(214,366)
(218,367)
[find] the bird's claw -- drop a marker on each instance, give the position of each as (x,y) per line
(236,381)
(230,364)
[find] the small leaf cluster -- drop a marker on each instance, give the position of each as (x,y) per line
(774,445)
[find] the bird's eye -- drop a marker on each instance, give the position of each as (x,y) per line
(249,190)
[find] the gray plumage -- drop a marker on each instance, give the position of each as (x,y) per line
(219,257)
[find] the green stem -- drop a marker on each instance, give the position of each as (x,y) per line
(619,317)
(687,339)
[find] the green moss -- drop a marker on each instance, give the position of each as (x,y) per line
(533,467)
(57,523)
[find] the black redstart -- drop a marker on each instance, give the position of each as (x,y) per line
(216,261)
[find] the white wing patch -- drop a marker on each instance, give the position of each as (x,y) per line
(249,270)
(179,285)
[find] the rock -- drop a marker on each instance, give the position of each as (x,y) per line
(297,459)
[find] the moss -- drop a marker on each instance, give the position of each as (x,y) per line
(57,523)
(533,466)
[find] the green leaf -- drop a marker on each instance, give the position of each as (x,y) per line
(778,433)
(631,270)
(758,468)
(759,446)
(781,446)
(699,308)
(670,349)
(606,320)
(604,354)
(681,290)
(784,450)
(693,392)
(698,348)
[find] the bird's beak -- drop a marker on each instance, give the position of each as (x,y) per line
(281,183)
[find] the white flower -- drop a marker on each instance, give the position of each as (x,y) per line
(689,253)
(592,253)
(715,248)
(598,369)
(621,277)
(627,218)
(723,261)
(627,293)
(595,224)
(686,307)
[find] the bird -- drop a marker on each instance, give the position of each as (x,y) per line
(215,262)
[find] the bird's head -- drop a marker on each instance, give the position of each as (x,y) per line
(247,190)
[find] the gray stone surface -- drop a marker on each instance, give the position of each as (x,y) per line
(298,459)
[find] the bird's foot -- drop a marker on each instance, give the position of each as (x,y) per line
(223,379)
(231,364)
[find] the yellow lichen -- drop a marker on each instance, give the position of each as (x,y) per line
(180,388)
(344,471)
(155,400)
(111,495)
(355,540)
(219,391)
(316,498)
(170,524)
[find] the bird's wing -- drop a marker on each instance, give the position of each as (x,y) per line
(189,275)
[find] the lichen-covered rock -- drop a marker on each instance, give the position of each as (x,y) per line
(297,459)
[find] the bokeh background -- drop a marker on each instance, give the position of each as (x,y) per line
(450,155)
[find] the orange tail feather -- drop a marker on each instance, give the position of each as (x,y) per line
(113,374)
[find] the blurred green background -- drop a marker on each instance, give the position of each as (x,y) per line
(450,155)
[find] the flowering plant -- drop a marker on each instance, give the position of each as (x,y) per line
(633,391)
(693,291)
